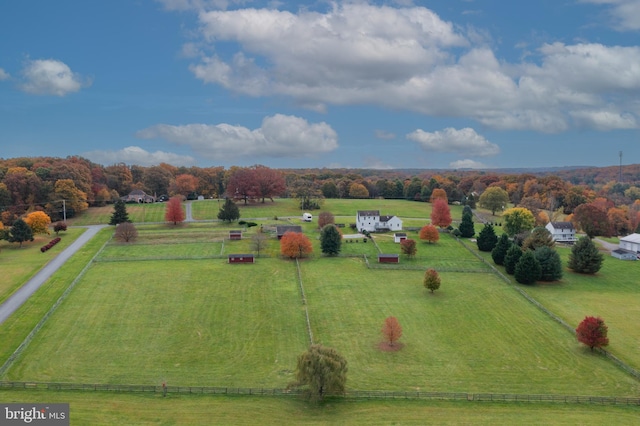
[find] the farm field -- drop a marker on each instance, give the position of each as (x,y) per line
(168,308)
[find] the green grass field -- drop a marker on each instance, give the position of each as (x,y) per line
(169,308)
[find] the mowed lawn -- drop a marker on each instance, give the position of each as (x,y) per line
(475,334)
(613,294)
(183,322)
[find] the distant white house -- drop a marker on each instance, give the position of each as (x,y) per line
(372,221)
(631,243)
(562,232)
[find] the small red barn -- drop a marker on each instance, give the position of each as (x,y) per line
(235,235)
(388,258)
(241,258)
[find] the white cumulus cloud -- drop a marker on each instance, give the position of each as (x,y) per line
(467,164)
(51,77)
(139,156)
(4,75)
(464,141)
(625,14)
(278,136)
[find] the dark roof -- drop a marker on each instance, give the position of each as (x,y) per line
(137,192)
(400,234)
(235,231)
(368,212)
(386,218)
(562,225)
(388,255)
(240,255)
(282,229)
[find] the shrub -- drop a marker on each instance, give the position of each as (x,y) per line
(50,244)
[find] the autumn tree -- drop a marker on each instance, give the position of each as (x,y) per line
(322,371)
(619,221)
(431,280)
(585,257)
(229,211)
(467,228)
(295,245)
(330,240)
(184,185)
(75,200)
(20,232)
(408,247)
(494,198)
(308,194)
(268,182)
(59,227)
(592,219)
(517,220)
(242,184)
(358,190)
(259,241)
(487,238)
(174,212)
(38,222)
(391,330)
(126,232)
(325,218)
(429,233)
(440,213)
(527,270)
(592,332)
(500,250)
(438,194)
(120,214)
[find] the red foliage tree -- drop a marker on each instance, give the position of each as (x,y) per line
(592,220)
(242,185)
(439,194)
(429,233)
(184,184)
(592,331)
(295,245)
(174,212)
(391,330)
(325,218)
(268,182)
(440,213)
(408,247)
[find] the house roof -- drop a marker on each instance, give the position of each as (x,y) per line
(235,231)
(368,212)
(282,229)
(137,192)
(240,255)
(386,218)
(400,234)
(387,255)
(633,238)
(562,225)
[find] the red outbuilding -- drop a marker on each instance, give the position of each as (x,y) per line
(235,235)
(388,258)
(241,258)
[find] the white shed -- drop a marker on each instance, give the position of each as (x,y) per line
(631,243)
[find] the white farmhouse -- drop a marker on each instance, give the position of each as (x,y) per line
(631,243)
(562,232)
(370,220)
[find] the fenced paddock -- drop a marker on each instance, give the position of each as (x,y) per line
(350,394)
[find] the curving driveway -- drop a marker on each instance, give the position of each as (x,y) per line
(23,293)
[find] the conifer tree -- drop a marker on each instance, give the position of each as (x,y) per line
(120,214)
(229,211)
(487,238)
(550,263)
(466,227)
(511,259)
(500,250)
(527,269)
(20,232)
(585,257)
(330,240)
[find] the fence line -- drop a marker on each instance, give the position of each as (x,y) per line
(632,371)
(304,302)
(350,394)
(9,362)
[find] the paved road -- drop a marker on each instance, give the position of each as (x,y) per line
(606,245)
(23,293)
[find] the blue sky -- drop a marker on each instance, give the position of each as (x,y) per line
(429,84)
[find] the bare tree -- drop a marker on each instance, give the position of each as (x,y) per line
(259,242)
(126,232)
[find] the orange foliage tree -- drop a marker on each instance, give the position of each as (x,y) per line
(174,212)
(295,245)
(391,330)
(38,222)
(429,233)
(440,213)
(439,194)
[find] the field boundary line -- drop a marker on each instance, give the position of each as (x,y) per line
(9,362)
(621,364)
(304,302)
(350,394)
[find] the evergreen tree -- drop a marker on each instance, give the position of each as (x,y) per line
(487,238)
(585,257)
(330,240)
(527,269)
(550,263)
(500,250)
(466,227)
(120,214)
(20,232)
(511,259)
(229,211)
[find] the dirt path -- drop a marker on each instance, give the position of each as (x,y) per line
(23,293)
